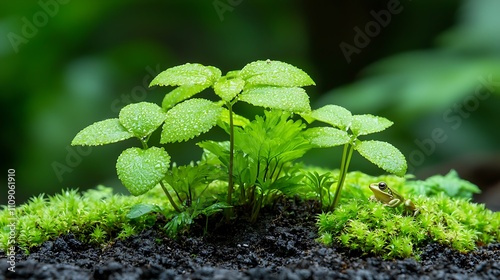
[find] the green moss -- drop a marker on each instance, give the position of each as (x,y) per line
(372,228)
(96,216)
(99,216)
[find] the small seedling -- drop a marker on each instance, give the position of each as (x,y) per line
(265,150)
(320,185)
(270,84)
(345,130)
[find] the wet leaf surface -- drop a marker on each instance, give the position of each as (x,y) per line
(189,119)
(384,155)
(367,124)
(282,98)
(141,118)
(275,73)
(102,132)
(334,115)
(324,137)
(140,170)
(187,74)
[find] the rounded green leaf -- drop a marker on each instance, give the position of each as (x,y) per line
(227,89)
(367,124)
(288,99)
(384,155)
(141,118)
(275,73)
(334,115)
(189,119)
(180,94)
(100,133)
(187,74)
(323,137)
(140,170)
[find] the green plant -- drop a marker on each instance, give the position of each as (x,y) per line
(95,216)
(270,84)
(190,185)
(320,186)
(345,131)
(449,184)
(265,150)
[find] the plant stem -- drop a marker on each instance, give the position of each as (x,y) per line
(346,159)
(144,142)
(228,212)
(170,197)
(230,183)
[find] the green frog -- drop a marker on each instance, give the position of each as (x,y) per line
(390,198)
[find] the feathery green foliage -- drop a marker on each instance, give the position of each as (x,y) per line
(266,147)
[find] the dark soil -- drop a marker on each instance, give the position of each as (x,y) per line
(280,245)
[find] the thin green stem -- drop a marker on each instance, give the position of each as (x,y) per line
(346,159)
(230,183)
(228,212)
(144,143)
(170,197)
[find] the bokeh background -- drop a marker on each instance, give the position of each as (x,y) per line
(426,65)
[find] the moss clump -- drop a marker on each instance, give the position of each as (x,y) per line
(370,227)
(96,216)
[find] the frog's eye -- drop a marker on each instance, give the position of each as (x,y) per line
(382,186)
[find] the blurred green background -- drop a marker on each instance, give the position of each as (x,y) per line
(432,67)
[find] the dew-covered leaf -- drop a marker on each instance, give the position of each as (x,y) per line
(180,94)
(334,115)
(384,155)
(102,132)
(189,119)
(141,118)
(187,74)
(283,98)
(323,137)
(367,124)
(140,170)
(275,73)
(227,89)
